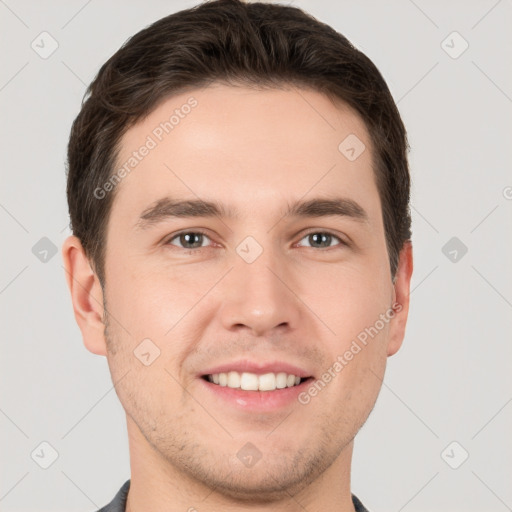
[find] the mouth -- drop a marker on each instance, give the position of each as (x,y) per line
(255,386)
(247,381)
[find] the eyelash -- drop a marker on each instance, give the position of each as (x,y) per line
(201,232)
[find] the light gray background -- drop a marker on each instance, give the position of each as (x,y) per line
(451,381)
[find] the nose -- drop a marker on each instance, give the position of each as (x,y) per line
(260,297)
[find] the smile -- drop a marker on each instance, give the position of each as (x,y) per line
(253,382)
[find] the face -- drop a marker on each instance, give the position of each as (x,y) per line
(242,290)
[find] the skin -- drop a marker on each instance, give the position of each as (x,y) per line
(256,150)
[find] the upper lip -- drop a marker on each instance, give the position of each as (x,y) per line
(259,368)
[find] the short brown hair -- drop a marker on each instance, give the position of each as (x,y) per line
(258,44)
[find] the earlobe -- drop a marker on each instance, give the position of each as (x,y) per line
(86,295)
(401,291)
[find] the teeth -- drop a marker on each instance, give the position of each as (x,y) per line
(252,382)
(267,382)
(281,380)
(249,381)
(233,380)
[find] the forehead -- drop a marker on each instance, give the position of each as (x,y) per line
(246,148)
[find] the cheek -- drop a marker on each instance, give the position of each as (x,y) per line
(355,303)
(146,302)
(348,298)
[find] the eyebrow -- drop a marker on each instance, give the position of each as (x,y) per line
(167,207)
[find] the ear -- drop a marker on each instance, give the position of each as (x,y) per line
(86,295)
(401,291)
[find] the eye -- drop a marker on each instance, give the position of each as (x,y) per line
(189,239)
(322,239)
(193,240)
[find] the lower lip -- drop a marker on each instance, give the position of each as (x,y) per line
(257,401)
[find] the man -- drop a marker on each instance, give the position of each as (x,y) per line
(239,196)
